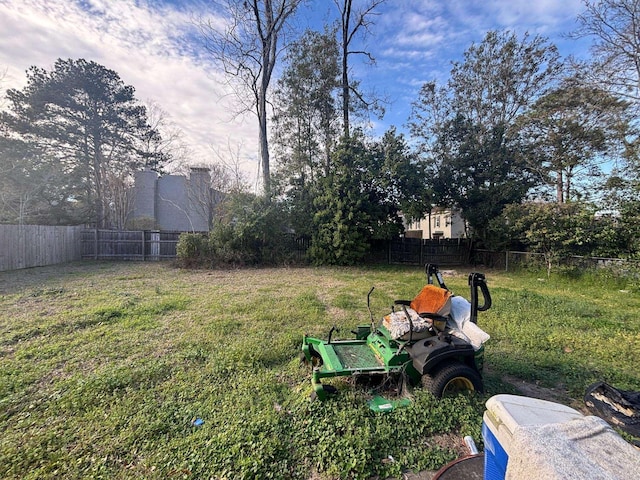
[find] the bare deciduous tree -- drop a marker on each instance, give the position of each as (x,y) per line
(352,22)
(118,188)
(224,177)
(227,175)
(615,27)
(246,44)
(171,145)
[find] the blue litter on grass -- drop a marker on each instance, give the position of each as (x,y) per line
(197,422)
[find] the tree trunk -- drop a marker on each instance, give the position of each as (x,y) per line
(99,186)
(559,187)
(567,190)
(264,144)
(346,15)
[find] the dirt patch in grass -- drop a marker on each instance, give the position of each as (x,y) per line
(534,390)
(558,394)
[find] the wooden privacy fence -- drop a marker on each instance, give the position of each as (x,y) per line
(24,246)
(129,244)
(153,245)
(418,251)
(157,245)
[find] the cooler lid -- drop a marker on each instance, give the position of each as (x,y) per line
(514,410)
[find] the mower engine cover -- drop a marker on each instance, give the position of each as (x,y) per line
(431,351)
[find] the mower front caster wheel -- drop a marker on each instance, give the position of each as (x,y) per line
(326,390)
(452,378)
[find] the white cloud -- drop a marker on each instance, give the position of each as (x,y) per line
(418,39)
(151,44)
(146,44)
(433,25)
(541,15)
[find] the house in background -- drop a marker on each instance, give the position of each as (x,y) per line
(440,223)
(173,202)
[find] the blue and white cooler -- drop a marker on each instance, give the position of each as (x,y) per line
(530,438)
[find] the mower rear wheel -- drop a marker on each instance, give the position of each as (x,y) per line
(452,378)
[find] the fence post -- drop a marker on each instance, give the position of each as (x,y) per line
(506,261)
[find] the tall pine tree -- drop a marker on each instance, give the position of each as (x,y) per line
(86,124)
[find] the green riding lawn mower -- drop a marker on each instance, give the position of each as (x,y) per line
(431,340)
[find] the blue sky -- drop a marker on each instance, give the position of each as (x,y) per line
(152,45)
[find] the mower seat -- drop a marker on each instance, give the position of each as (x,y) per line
(429,310)
(431,302)
(432,299)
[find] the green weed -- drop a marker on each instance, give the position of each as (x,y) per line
(105,367)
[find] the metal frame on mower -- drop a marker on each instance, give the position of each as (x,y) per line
(442,362)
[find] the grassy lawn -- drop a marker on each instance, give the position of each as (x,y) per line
(105,366)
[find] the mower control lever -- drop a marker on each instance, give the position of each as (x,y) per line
(430,270)
(333,329)
(373,322)
(406,312)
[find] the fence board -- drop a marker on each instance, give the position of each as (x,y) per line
(25,246)
(129,244)
(417,251)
